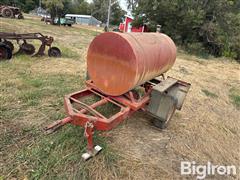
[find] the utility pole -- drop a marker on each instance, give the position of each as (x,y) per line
(109,12)
(40,4)
(39,7)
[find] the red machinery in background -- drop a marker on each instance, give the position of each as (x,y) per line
(125,76)
(126,26)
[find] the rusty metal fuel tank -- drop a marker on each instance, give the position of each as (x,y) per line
(118,62)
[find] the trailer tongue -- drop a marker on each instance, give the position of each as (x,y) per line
(147,89)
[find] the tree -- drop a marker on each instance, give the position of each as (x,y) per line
(132,4)
(78,7)
(211,26)
(58,8)
(25,5)
(116,14)
(55,7)
(100,11)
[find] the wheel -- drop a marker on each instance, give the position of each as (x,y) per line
(9,44)
(54,52)
(163,123)
(20,16)
(5,52)
(69,25)
(28,49)
(7,13)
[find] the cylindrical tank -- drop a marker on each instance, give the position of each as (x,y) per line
(118,62)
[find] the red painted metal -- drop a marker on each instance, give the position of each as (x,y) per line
(118,62)
(126,26)
(81,114)
(89,130)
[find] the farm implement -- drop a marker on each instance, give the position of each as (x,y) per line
(7,47)
(161,98)
(125,75)
(10,12)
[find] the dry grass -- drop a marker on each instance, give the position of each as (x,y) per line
(206,129)
(31,96)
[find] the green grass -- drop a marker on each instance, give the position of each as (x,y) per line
(55,156)
(52,156)
(209,94)
(32,98)
(234,95)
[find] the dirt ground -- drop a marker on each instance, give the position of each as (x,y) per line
(206,129)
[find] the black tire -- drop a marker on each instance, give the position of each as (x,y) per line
(159,123)
(54,52)
(5,52)
(163,123)
(28,49)
(20,16)
(69,25)
(7,13)
(9,44)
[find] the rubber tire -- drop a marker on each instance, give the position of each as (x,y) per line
(7,51)
(20,16)
(9,44)
(161,123)
(7,10)
(28,49)
(54,52)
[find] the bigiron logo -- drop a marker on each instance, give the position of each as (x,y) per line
(202,171)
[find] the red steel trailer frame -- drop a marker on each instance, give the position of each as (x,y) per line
(85,115)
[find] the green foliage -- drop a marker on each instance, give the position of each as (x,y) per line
(80,7)
(100,11)
(54,7)
(25,5)
(214,24)
(116,14)
(58,8)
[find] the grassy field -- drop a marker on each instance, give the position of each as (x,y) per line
(31,96)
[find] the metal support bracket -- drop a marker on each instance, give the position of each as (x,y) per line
(88,133)
(56,125)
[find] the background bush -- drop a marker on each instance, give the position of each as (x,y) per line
(211,26)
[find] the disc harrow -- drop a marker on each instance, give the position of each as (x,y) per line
(7,47)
